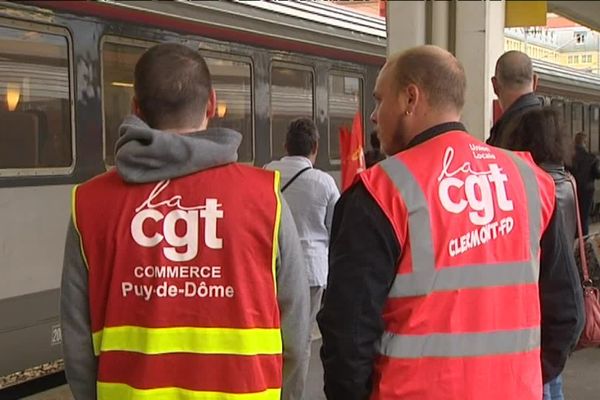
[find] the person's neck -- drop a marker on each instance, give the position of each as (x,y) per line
(510,97)
(434,118)
(187,130)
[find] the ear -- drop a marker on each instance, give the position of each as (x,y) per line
(135,108)
(535,82)
(211,104)
(496,85)
(413,96)
(315,149)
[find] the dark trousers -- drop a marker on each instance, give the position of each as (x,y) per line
(586,202)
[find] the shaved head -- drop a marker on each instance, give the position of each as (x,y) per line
(514,70)
(435,71)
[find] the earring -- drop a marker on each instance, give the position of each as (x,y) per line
(407,112)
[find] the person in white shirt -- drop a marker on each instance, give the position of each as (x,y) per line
(311,195)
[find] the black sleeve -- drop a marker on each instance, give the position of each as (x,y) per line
(595,168)
(363,254)
(561,299)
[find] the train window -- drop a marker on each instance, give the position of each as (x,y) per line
(345,94)
(118,63)
(595,128)
(559,106)
(232,80)
(291,97)
(36,135)
(576,118)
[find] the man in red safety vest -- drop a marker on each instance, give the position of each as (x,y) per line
(182,275)
(450,277)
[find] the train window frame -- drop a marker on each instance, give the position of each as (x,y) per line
(361,78)
(563,105)
(118,40)
(246,60)
(582,120)
(594,145)
(62,31)
(296,66)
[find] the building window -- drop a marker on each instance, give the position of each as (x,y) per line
(35,102)
(345,94)
(570,60)
(291,97)
(576,59)
(580,37)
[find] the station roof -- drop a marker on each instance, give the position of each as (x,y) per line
(586,13)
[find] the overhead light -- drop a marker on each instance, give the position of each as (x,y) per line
(122,84)
(221,109)
(13,94)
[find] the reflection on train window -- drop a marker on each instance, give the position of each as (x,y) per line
(35,112)
(576,118)
(345,94)
(232,80)
(595,128)
(559,106)
(291,97)
(118,63)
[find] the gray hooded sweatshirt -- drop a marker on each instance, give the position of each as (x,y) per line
(148,155)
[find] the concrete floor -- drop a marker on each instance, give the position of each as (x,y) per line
(581,378)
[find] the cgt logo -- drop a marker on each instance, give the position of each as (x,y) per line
(163,226)
(478,195)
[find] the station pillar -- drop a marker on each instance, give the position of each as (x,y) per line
(472,30)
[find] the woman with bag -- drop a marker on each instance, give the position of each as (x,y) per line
(540,133)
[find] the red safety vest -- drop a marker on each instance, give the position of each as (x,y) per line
(182,284)
(462,319)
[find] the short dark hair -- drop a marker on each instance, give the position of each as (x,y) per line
(435,71)
(302,137)
(514,69)
(172,85)
(580,139)
(541,133)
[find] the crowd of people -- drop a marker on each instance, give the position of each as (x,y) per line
(446,271)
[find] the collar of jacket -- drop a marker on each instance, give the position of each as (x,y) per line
(528,100)
(435,131)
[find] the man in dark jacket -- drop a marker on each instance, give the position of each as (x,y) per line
(514,83)
(586,169)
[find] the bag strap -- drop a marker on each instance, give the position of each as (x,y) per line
(294,178)
(584,266)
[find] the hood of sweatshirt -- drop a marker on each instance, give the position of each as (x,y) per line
(145,155)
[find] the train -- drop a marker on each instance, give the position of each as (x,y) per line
(66,82)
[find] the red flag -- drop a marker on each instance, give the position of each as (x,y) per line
(352,155)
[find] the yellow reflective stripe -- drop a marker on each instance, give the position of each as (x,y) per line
(120,391)
(137,339)
(276,183)
(74,217)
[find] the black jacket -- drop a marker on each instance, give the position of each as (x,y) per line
(565,198)
(363,257)
(585,169)
(523,104)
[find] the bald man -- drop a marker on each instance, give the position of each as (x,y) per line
(514,83)
(435,283)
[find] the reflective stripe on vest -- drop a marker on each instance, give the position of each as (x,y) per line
(426,279)
(233,341)
(122,391)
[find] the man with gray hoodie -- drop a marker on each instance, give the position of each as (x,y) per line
(183,275)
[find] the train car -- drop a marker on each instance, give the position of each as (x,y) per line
(66,82)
